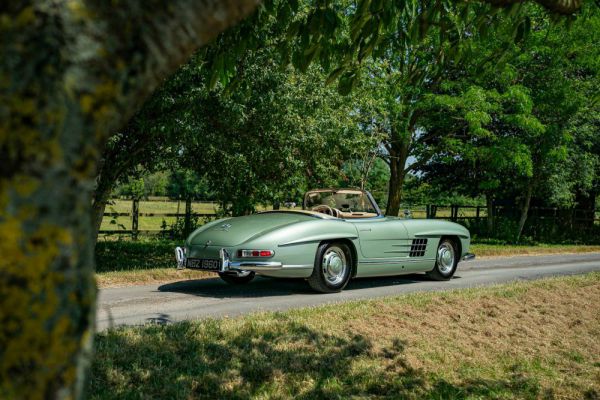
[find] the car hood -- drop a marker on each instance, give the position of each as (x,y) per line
(235,231)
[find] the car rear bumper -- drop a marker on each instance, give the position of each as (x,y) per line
(228,265)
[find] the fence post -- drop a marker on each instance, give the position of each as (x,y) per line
(135,211)
(477,215)
(187,226)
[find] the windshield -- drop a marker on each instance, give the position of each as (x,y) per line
(344,200)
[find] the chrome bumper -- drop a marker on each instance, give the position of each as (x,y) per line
(228,265)
(468,257)
(180,257)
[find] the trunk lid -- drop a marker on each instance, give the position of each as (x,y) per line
(237,230)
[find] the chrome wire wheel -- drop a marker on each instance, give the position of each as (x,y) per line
(445,258)
(334,265)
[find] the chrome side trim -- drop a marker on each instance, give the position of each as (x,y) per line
(317,240)
(468,257)
(396,261)
(299,266)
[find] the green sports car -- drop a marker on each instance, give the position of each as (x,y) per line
(339,234)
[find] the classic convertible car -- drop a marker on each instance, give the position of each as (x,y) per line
(339,234)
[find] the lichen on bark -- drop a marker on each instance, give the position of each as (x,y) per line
(70,72)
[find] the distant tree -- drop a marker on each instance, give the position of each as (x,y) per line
(185,184)
(512,129)
(401,72)
(278,134)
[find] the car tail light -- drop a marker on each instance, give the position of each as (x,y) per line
(255,253)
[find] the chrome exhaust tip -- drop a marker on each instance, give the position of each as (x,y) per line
(468,257)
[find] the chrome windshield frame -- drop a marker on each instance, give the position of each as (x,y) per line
(336,190)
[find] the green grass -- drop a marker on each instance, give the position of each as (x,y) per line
(153,223)
(161,206)
(539,342)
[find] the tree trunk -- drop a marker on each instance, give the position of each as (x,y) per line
(71,73)
(489,204)
(398,157)
(525,209)
(135,217)
(98,208)
(187,223)
(565,7)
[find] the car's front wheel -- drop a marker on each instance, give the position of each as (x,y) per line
(333,266)
(446,261)
(237,278)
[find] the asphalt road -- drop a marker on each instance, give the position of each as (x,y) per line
(196,299)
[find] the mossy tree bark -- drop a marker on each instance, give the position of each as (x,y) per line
(70,72)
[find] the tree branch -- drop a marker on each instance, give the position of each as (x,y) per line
(564,7)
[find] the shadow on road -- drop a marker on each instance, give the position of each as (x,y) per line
(267,287)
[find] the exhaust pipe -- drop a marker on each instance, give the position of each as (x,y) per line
(468,257)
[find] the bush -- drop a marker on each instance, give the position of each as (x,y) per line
(536,230)
(123,255)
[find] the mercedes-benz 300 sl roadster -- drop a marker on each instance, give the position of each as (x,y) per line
(338,235)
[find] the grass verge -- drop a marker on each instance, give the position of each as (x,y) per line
(526,340)
(508,250)
(148,276)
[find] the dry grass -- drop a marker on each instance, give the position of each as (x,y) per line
(495,250)
(147,276)
(526,340)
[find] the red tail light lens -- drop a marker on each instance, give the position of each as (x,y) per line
(255,253)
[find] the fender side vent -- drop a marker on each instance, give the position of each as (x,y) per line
(417,248)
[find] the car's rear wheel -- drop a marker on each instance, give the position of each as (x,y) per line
(333,266)
(237,278)
(446,261)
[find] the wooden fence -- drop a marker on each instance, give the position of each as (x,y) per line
(135,215)
(456,213)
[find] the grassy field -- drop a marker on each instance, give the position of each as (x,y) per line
(526,340)
(121,263)
(158,207)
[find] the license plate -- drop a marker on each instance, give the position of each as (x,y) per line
(204,263)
